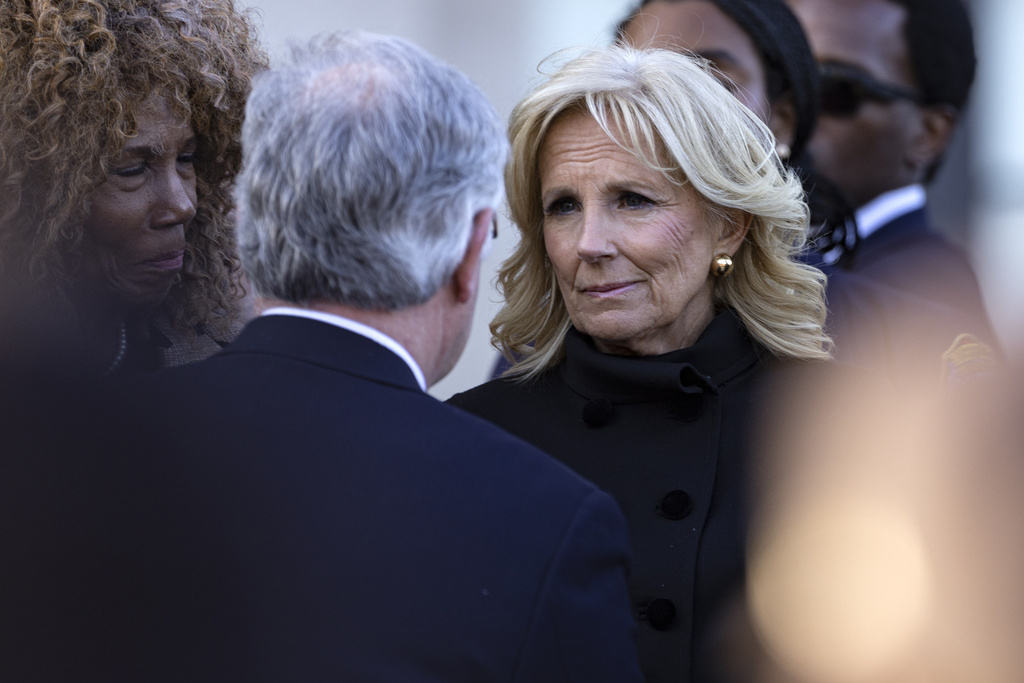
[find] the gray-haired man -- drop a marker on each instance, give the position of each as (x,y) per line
(377,533)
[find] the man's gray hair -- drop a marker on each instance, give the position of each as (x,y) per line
(365,160)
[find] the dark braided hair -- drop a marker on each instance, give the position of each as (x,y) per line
(784,51)
(940,44)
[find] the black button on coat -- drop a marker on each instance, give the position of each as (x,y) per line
(667,436)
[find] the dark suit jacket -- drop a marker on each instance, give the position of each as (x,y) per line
(316,517)
(903,299)
(908,254)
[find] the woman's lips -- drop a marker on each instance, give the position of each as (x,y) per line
(608,290)
(170,261)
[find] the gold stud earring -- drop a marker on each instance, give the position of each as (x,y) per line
(721,265)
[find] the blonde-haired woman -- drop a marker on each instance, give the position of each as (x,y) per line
(654,290)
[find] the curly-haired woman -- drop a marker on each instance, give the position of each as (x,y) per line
(119,138)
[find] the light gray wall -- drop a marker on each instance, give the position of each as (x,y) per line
(996,166)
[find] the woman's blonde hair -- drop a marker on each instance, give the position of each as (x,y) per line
(675,117)
(73,74)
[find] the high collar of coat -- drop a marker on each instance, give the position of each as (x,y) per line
(722,352)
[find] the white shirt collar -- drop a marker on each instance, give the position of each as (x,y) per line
(360,329)
(887,207)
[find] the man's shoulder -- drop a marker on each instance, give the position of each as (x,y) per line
(278,351)
(506,392)
(475,414)
(911,233)
(909,255)
(276,404)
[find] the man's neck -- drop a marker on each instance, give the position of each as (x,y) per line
(413,328)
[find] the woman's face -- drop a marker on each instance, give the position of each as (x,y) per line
(632,252)
(701,27)
(135,233)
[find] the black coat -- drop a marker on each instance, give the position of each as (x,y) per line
(296,508)
(668,437)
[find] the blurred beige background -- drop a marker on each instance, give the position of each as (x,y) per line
(978,199)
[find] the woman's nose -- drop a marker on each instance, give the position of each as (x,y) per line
(595,238)
(177,198)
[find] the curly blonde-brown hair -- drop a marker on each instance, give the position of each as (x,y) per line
(73,74)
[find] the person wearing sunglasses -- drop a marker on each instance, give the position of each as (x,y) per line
(845,89)
(894,78)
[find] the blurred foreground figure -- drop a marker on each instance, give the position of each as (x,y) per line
(890,537)
(368,531)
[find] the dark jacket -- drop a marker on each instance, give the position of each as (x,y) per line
(907,282)
(909,255)
(668,437)
(300,510)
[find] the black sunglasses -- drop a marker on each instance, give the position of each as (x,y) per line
(844,90)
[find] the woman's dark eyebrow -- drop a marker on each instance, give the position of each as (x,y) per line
(152,151)
(637,186)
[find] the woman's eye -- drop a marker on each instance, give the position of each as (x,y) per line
(560,207)
(129,171)
(187,158)
(632,200)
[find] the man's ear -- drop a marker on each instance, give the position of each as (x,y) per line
(937,125)
(734,232)
(466,279)
(782,120)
